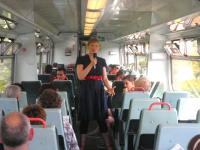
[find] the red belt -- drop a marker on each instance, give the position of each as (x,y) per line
(93,78)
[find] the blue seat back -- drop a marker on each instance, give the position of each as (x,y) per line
(54,117)
(44,139)
(128,96)
(23,100)
(64,96)
(138,104)
(9,105)
(170,135)
(32,89)
(187,108)
(150,119)
(44,78)
(173,96)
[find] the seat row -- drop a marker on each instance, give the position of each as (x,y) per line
(136,121)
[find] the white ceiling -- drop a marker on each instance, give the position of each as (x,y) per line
(62,16)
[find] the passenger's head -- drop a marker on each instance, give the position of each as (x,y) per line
(55,65)
(47,86)
(34,111)
(13,91)
(50,99)
(144,83)
(120,75)
(61,74)
(129,82)
(114,70)
(15,130)
(93,45)
(48,69)
(20,85)
(194,143)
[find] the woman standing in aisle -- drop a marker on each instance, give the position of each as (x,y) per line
(91,71)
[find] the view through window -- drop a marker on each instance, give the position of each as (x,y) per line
(186,76)
(5,73)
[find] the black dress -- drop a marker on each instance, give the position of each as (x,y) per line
(92,94)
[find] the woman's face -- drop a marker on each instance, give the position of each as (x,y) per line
(93,47)
(128,84)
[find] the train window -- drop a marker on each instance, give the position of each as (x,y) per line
(137,57)
(191,47)
(142,64)
(184,23)
(6,72)
(186,76)
(6,21)
(182,48)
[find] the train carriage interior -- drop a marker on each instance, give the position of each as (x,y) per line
(157,40)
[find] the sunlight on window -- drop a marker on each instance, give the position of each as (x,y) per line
(185,73)
(5,71)
(186,76)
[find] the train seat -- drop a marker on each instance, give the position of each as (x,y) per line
(32,89)
(23,100)
(149,120)
(9,104)
(132,123)
(128,96)
(44,78)
(54,117)
(44,139)
(187,109)
(64,96)
(170,135)
(172,97)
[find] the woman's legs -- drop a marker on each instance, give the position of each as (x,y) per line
(107,140)
(83,130)
(104,130)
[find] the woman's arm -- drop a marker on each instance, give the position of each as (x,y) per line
(106,82)
(82,73)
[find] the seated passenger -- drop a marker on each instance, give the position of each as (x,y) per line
(16,132)
(129,83)
(114,70)
(13,91)
(50,99)
(34,111)
(61,74)
(143,83)
(119,75)
(48,69)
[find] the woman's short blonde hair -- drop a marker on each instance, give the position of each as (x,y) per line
(143,82)
(93,40)
(13,91)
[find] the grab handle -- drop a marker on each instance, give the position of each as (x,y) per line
(44,125)
(160,103)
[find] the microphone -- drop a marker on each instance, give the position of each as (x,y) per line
(94,56)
